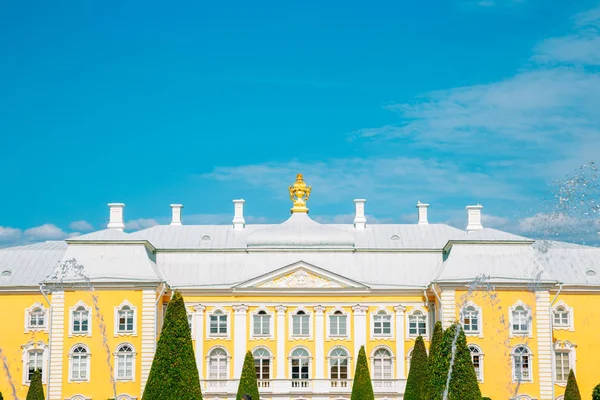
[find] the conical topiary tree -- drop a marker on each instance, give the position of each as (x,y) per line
(434,349)
(174,374)
(572,390)
(36,390)
(362,388)
(596,393)
(248,384)
(439,361)
(416,384)
(463,381)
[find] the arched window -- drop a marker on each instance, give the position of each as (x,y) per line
(477,360)
(262,323)
(382,364)
(561,316)
(470,319)
(262,364)
(337,324)
(218,323)
(382,324)
(126,319)
(81,320)
(35,317)
(301,324)
(300,361)
(218,364)
(417,324)
(338,364)
(125,362)
(521,364)
(520,320)
(79,363)
(124,397)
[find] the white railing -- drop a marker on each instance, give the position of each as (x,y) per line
(340,383)
(263,383)
(285,386)
(301,383)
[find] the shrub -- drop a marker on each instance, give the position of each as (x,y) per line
(36,390)
(572,390)
(596,393)
(248,384)
(362,389)
(485,398)
(416,384)
(174,374)
(437,365)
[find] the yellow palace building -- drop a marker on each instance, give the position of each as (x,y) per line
(303,297)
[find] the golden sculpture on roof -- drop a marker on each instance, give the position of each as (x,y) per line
(299,194)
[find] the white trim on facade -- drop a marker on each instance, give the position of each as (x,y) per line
(150,310)
(72,311)
(529,319)
(240,336)
(213,336)
(390,319)
(125,396)
(410,314)
(56,342)
(567,347)
(30,347)
(126,332)
(29,313)
(348,358)
(199,339)
(513,355)
(84,355)
(226,357)
(570,325)
(255,314)
(291,334)
(309,357)
(360,327)
(79,397)
(481,374)
(372,360)
(117,363)
(479,311)
(328,316)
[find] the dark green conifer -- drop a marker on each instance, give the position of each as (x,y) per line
(174,374)
(248,384)
(596,393)
(36,389)
(362,388)
(572,390)
(416,384)
(434,350)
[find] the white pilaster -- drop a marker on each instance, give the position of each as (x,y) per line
(360,327)
(199,335)
(148,334)
(544,340)
(280,341)
(319,342)
(240,335)
(448,307)
(400,323)
(55,367)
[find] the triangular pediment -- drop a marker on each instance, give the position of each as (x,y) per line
(301,275)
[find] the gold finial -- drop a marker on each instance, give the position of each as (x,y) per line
(299,194)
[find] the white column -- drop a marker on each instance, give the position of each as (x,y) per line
(544,339)
(280,341)
(448,307)
(319,342)
(55,367)
(149,325)
(199,335)
(360,327)
(240,335)
(400,324)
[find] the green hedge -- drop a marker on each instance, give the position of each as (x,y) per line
(416,384)
(362,388)
(248,384)
(36,390)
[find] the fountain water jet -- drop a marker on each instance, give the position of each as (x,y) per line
(8,375)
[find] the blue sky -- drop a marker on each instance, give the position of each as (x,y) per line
(450,102)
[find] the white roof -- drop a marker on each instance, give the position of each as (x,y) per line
(28,265)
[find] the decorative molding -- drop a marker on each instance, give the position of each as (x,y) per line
(570,326)
(133,362)
(310,324)
(199,309)
(72,319)
(479,332)
(240,309)
(79,397)
(217,336)
(448,307)
(29,311)
(118,308)
(360,309)
(150,310)
(57,333)
(382,336)
(199,338)
(254,314)
(300,278)
(227,360)
(529,317)
(329,314)
(32,346)
(531,369)
(565,346)
(240,336)
(480,378)
(407,318)
(88,363)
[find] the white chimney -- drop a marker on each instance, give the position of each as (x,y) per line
(474,218)
(238,218)
(116,216)
(422,207)
(360,221)
(176,214)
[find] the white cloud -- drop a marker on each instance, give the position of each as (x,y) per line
(45,232)
(81,225)
(140,223)
(8,234)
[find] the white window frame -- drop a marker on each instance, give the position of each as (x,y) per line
(116,362)
(513,355)
(270,358)
(479,331)
(125,396)
(408,360)
(310,363)
(567,347)
(512,332)
(72,311)
(135,317)
(226,335)
(255,314)
(79,397)
(570,326)
(348,358)
(480,353)
(382,336)
(292,336)
(427,323)
(328,323)
(227,361)
(87,367)
(392,362)
(30,347)
(37,328)
(191,318)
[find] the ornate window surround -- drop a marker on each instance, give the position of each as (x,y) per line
(479,332)
(328,335)
(390,314)
(135,317)
(253,314)
(571,325)
(89,359)
(79,397)
(407,316)
(271,358)
(227,357)
(309,357)
(372,360)
(349,358)
(31,346)
(530,354)
(216,336)
(29,311)
(125,396)
(72,319)
(569,347)
(527,308)
(310,325)
(116,363)
(481,361)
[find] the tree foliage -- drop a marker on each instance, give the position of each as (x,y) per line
(434,349)
(362,388)
(596,393)
(416,384)
(248,384)
(36,389)
(572,390)
(174,374)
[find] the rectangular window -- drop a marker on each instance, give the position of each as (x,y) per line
(300,325)
(261,366)
(126,320)
(218,324)
(79,370)
(337,325)
(34,362)
(562,365)
(382,325)
(125,366)
(299,368)
(262,325)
